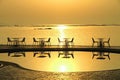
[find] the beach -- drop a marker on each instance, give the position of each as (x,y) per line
(12,71)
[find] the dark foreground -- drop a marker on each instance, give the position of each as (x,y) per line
(11,71)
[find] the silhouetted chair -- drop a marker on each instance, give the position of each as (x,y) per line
(17,54)
(9,41)
(107,42)
(60,41)
(48,42)
(101,55)
(23,41)
(94,42)
(71,42)
(35,42)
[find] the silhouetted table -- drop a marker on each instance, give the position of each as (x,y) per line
(100,42)
(100,55)
(66,54)
(16,41)
(42,41)
(67,40)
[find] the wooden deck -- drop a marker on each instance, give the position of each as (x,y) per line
(28,48)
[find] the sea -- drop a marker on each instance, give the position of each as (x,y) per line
(82,35)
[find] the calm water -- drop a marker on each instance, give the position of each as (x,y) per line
(83,60)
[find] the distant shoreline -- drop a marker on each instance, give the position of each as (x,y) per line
(54,25)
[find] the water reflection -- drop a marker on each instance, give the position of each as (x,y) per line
(16,54)
(42,54)
(101,55)
(66,54)
(81,62)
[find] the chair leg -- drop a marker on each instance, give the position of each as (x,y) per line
(23,54)
(92,44)
(72,55)
(109,44)
(23,43)
(49,55)
(108,57)
(35,54)
(49,44)
(93,56)
(72,44)
(9,43)
(9,54)
(60,54)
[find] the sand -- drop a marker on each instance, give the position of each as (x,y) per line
(11,71)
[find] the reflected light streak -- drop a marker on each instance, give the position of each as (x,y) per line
(61,30)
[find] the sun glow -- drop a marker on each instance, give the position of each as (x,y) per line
(63,68)
(63,65)
(61,27)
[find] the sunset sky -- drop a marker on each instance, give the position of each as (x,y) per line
(59,11)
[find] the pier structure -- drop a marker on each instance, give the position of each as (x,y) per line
(44,44)
(29,48)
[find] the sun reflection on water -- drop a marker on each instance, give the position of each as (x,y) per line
(63,65)
(61,30)
(63,68)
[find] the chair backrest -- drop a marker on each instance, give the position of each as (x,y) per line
(9,40)
(48,40)
(72,39)
(93,39)
(58,39)
(34,40)
(23,40)
(108,39)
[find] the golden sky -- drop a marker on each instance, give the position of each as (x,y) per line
(59,11)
